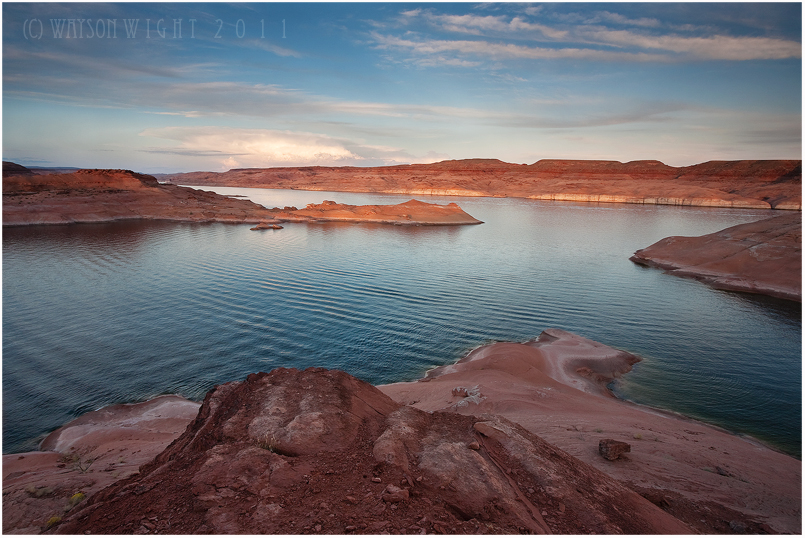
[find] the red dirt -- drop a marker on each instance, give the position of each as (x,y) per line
(745,184)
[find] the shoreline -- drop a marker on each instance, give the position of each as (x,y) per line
(550,197)
(555,386)
(688,462)
(602,387)
(758,184)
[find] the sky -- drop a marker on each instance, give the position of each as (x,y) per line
(177,87)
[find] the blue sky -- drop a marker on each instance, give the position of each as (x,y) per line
(256,85)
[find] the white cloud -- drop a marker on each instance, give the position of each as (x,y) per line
(254,147)
(620,19)
(231,147)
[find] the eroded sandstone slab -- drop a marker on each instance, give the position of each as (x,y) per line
(759,257)
(410,213)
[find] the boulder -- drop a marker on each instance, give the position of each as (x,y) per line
(612,449)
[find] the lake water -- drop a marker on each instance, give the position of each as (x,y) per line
(98,314)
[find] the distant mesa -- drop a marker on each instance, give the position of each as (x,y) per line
(14,169)
(757,184)
(109,195)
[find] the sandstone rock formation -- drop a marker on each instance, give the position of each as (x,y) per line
(106,195)
(556,388)
(746,184)
(612,449)
(319,451)
(268,225)
(759,257)
(410,213)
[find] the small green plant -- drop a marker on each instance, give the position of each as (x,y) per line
(599,430)
(638,436)
(52,521)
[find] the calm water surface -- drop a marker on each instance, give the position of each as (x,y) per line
(120,312)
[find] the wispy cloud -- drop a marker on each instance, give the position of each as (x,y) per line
(717,47)
(503,51)
(580,37)
(476,24)
(617,18)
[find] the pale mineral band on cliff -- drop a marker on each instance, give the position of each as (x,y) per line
(739,184)
(320,451)
(762,257)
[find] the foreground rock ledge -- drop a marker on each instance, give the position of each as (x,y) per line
(762,257)
(556,388)
(319,451)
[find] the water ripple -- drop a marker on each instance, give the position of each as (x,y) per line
(99,314)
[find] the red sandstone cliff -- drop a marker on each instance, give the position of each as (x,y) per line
(105,195)
(745,184)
